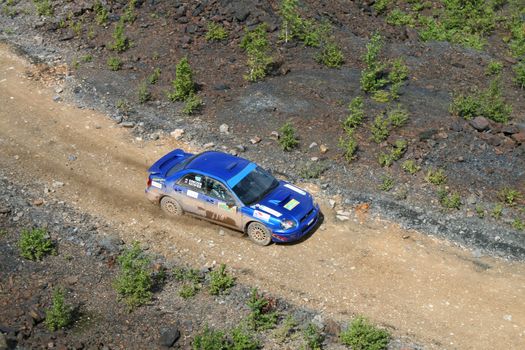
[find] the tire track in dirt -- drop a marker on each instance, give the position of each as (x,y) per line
(422,287)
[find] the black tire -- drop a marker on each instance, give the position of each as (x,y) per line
(171,207)
(259,233)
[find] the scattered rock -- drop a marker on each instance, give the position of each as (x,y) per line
(274,135)
(4,210)
(510,129)
(209,145)
(479,123)
(59,90)
(519,137)
(36,314)
(312,145)
(3,342)
(57,98)
(332,328)
(254,140)
(427,134)
(111,243)
(342,218)
(318,321)
(331,202)
(221,87)
(177,134)
(507,317)
(224,129)
(240,148)
(127,124)
(57,184)
(314,159)
(168,336)
(71,157)
(323,149)
(38,202)
(472,199)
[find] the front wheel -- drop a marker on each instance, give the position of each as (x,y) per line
(259,233)
(171,207)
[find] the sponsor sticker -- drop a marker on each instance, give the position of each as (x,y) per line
(260,215)
(269,210)
(291,204)
(296,189)
(156,184)
(195,183)
(192,194)
(225,206)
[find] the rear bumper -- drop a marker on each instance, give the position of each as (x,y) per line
(299,232)
(153,195)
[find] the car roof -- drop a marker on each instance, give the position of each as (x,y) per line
(221,165)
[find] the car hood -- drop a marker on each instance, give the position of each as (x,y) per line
(287,202)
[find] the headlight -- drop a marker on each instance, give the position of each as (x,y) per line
(287,224)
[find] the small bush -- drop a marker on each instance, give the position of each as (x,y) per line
(519,72)
(398,72)
(189,290)
(261,317)
(123,106)
(220,281)
(86,58)
(129,15)
(60,315)
(256,45)
(410,166)
(518,224)
(497,211)
(509,196)
(362,335)
(387,183)
(372,77)
(154,77)
(292,21)
(494,68)
(210,339)
(331,55)
(134,281)
(397,117)
(449,200)
(287,139)
(120,40)
(356,114)
(397,151)
(381,96)
(183,85)
(243,339)
(284,332)
(312,170)
(400,18)
(143,93)
(35,244)
(349,146)
(216,32)
(380,6)
(114,63)
(101,13)
(379,129)
(193,105)
(43,7)
(480,211)
(436,176)
(313,337)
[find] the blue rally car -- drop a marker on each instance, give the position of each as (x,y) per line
(233,192)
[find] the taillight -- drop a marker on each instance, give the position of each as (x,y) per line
(149,182)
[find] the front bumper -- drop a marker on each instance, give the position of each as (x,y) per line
(281,236)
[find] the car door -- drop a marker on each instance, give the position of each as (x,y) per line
(191,188)
(221,206)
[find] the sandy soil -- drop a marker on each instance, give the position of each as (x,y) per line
(427,289)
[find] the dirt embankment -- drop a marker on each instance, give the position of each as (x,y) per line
(422,287)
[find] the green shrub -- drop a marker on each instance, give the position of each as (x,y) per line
(256,45)
(518,224)
(134,281)
(154,77)
(397,151)
(480,211)
(220,281)
(261,317)
(183,85)
(449,200)
(436,176)
(349,146)
(216,32)
(43,7)
(313,337)
(129,15)
(400,18)
(372,76)
(120,40)
(398,71)
(123,106)
(519,72)
(356,113)
(193,104)
(101,13)
(210,339)
(35,244)
(243,339)
(397,117)
(380,6)
(114,63)
(143,93)
(362,335)
(509,196)
(497,211)
(488,103)
(292,22)
(517,38)
(281,334)
(381,96)
(312,170)
(60,315)
(379,129)
(189,290)
(494,68)
(410,166)
(187,275)
(86,58)
(287,139)
(387,183)
(331,55)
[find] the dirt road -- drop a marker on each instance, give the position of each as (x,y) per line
(426,289)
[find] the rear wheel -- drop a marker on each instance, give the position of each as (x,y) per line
(171,207)
(259,233)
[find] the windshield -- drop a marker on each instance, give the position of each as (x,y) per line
(254,186)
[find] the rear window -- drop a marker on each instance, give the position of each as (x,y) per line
(180,166)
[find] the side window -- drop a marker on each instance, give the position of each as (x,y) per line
(193,181)
(216,190)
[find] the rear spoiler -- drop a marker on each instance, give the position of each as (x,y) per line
(166,163)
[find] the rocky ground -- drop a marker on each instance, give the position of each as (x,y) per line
(480,158)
